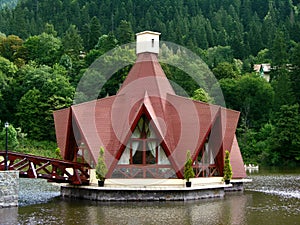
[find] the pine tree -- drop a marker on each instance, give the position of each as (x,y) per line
(72,42)
(95,32)
(124,32)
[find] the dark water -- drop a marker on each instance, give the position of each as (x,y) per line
(272,198)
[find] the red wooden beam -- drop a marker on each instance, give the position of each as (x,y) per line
(54,170)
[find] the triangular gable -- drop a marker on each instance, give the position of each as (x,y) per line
(230,120)
(236,160)
(84,118)
(144,109)
(152,136)
(157,120)
(62,126)
(190,129)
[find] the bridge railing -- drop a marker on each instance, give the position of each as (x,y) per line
(54,170)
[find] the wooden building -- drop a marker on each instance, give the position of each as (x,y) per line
(146,129)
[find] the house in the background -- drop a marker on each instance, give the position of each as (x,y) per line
(263,70)
(146,129)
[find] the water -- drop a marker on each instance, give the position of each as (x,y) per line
(272,198)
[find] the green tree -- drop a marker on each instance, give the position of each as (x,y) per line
(286,138)
(295,74)
(42,91)
(10,46)
(251,95)
(282,86)
(72,42)
(255,100)
(106,43)
(215,55)
(201,95)
(95,32)
(225,70)
(254,36)
(278,50)
(43,48)
(12,139)
(49,29)
(125,33)
(7,68)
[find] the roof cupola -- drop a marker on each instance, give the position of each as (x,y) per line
(147,41)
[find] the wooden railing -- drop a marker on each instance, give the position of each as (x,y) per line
(208,170)
(54,170)
(139,171)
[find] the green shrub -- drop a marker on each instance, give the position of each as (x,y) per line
(101,168)
(188,169)
(227,167)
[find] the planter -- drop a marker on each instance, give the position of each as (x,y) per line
(101,183)
(188,184)
(227,181)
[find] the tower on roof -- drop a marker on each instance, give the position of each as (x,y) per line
(147,41)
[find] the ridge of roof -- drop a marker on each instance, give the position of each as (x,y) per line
(147,75)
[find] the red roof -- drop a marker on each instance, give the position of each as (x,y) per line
(183,124)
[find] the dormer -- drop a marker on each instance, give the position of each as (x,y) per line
(147,41)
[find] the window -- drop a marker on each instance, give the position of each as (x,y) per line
(152,43)
(143,147)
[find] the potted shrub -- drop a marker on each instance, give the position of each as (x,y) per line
(188,171)
(227,168)
(101,168)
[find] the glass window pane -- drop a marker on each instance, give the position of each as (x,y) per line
(151,152)
(162,158)
(137,152)
(125,158)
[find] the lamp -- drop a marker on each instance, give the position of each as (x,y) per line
(6,147)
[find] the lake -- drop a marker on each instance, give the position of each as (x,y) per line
(272,198)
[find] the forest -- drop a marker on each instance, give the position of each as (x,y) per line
(46,46)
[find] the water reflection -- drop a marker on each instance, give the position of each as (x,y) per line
(272,198)
(230,210)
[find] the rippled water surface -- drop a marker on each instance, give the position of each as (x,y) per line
(272,198)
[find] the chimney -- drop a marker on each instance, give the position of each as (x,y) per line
(147,41)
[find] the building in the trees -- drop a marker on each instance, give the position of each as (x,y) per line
(146,129)
(263,70)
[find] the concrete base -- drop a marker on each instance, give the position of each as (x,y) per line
(9,188)
(148,190)
(113,194)
(237,185)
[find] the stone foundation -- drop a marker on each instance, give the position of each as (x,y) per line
(9,188)
(142,193)
(153,189)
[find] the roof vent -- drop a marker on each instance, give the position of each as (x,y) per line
(147,41)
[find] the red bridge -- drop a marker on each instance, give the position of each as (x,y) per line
(54,170)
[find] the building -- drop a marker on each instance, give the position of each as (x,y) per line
(146,129)
(263,70)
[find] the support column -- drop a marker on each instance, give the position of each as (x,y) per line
(9,188)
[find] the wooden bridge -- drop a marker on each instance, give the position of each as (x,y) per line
(54,170)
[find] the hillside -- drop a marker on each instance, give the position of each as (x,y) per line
(247,26)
